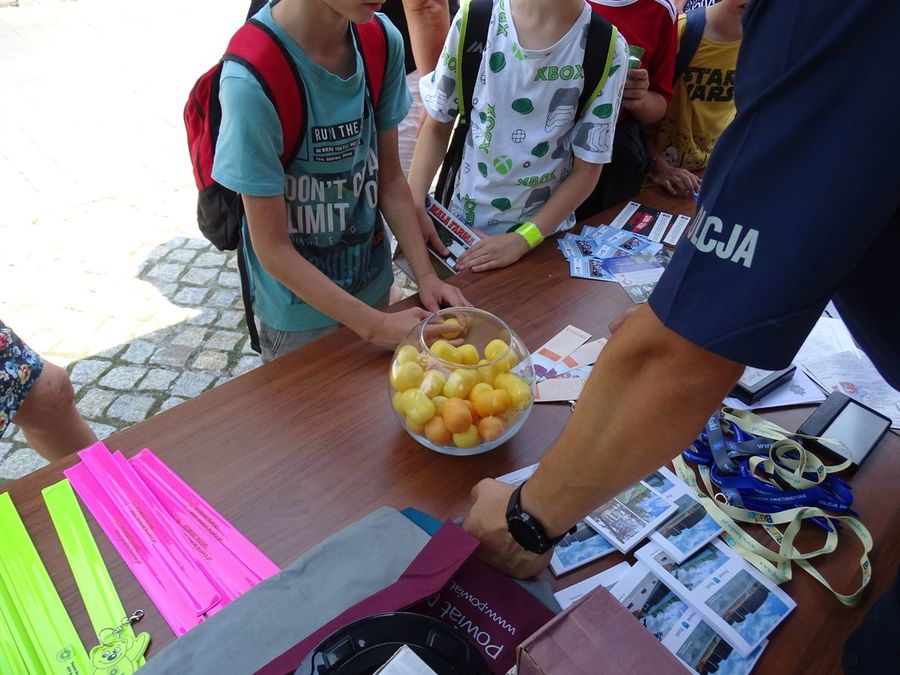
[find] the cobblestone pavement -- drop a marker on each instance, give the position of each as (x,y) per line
(102,266)
(130,381)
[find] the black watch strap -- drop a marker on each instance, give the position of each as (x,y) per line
(528,532)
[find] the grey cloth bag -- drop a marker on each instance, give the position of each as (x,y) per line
(346,568)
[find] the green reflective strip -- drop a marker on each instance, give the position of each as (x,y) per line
(610,54)
(41,628)
(94,583)
(460,51)
(10,659)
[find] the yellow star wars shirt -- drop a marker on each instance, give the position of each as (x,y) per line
(702,104)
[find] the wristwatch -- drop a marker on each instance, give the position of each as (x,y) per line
(525,528)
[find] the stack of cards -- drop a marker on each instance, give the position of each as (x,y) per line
(631,516)
(700,599)
(731,596)
(563,364)
(690,528)
(604,241)
(588,252)
(677,626)
(548,359)
(606,253)
(583,546)
(656,225)
(636,274)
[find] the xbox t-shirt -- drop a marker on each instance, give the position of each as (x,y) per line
(524,127)
(330,190)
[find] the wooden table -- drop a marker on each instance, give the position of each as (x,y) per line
(299,448)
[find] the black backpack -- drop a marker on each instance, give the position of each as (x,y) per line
(476,17)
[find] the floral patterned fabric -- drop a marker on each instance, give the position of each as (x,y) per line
(19,370)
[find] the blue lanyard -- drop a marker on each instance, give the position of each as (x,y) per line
(727,451)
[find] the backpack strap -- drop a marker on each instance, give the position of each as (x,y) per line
(255,6)
(473,29)
(599,49)
(476,18)
(260,51)
(690,40)
(372,40)
(256,47)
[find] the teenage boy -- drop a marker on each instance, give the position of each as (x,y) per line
(530,156)
(313,236)
(703,100)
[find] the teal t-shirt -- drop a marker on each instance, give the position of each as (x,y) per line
(330,189)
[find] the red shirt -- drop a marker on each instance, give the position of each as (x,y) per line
(649,24)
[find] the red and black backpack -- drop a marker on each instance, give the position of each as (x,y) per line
(256,47)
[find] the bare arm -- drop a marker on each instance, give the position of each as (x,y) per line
(429,153)
(645,105)
(427,157)
(397,205)
(647,398)
(504,249)
(429,23)
(568,196)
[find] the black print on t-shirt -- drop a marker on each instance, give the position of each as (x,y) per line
(336,141)
(709,84)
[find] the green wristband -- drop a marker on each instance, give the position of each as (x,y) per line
(531,233)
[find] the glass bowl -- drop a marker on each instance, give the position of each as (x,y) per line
(463,388)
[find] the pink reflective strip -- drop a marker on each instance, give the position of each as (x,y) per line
(151,525)
(153,577)
(158,475)
(188,558)
(174,547)
(229,576)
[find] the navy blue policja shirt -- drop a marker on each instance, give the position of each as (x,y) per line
(801,198)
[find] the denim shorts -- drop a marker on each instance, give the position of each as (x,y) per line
(274,342)
(19,370)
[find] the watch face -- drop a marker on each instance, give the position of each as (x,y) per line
(523,532)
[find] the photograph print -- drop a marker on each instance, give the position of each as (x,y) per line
(597,270)
(644,502)
(622,523)
(631,516)
(688,530)
(579,548)
(748,607)
(696,569)
(706,652)
(659,482)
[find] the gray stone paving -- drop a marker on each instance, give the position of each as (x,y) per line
(128,383)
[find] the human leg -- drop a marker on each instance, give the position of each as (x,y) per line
(49,418)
